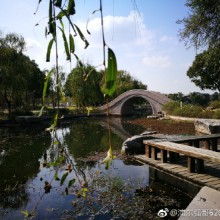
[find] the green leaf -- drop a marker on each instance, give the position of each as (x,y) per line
(61,14)
(109,158)
(78,61)
(72,44)
(41,111)
(25,213)
(82,36)
(111,73)
(56,163)
(46,32)
(58,3)
(46,85)
(65,44)
(63,178)
(71,7)
(84,191)
(71,182)
(50,10)
(56,176)
(54,123)
(49,50)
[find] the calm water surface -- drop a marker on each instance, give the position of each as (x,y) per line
(26,152)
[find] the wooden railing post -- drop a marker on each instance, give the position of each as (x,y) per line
(214,144)
(191,164)
(163,156)
(148,151)
(199,165)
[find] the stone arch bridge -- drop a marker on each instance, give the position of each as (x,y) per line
(122,104)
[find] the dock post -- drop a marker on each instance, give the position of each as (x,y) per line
(148,151)
(191,164)
(154,153)
(196,143)
(163,156)
(214,144)
(172,156)
(199,165)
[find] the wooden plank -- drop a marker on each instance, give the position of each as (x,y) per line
(189,151)
(182,172)
(211,179)
(215,182)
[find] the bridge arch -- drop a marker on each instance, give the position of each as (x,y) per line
(118,105)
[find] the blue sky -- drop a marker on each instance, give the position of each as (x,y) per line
(145,42)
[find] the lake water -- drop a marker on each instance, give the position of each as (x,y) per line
(34,174)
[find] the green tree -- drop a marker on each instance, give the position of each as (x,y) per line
(202,26)
(84,86)
(205,70)
(176,96)
(20,78)
(199,99)
(202,29)
(126,82)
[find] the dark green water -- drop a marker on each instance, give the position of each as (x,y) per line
(25,151)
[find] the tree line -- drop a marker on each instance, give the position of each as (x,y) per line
(22,81)
(85,85)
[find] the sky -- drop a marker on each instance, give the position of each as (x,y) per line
(144,38)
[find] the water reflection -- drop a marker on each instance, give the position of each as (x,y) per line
(19,162)
(26,155)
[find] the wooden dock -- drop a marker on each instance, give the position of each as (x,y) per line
(159,153)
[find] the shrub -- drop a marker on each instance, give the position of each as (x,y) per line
(216,114)
(171,107)
(215,104)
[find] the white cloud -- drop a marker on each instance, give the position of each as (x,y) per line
(166,38)
(157,61)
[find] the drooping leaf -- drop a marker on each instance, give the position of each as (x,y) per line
(66,191)
(53,124)
(50,10)
(82,36)
(56,163)
(25,213)
(49,50)
(72,44)
(61,14)
(46,85)
(71,182)
(71,7)
(65,45)
(41,111)
(50,22)
(58,3)
(84,191)
(109,158)
(56,176)
(111,73)
(63,178)
(78,61)
(46,32)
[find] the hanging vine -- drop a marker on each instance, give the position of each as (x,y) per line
(59,10)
